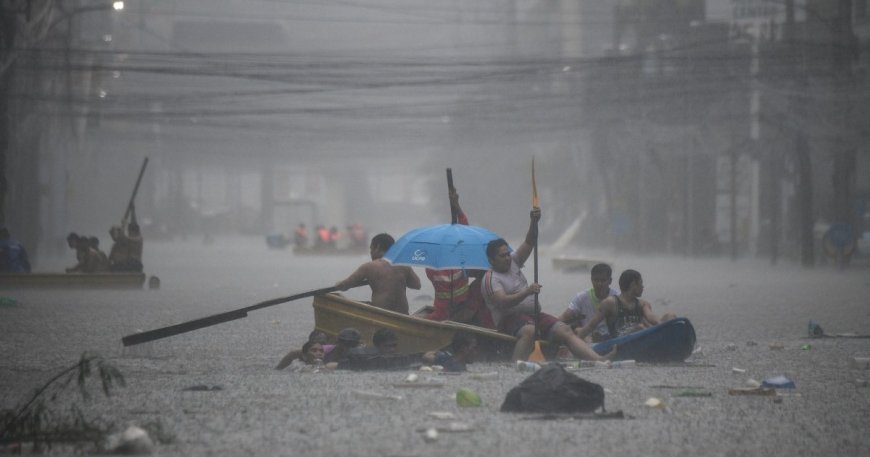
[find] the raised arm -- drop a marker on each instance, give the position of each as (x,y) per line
(454,202)
(525,249)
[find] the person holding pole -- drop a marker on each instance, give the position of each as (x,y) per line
(511,300)
(126,252)
(388,282)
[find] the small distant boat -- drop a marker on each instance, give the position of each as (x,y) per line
(333,312)
(72,280)
(670,341)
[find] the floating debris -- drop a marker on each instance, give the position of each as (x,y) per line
(756,391)
(375,395)
(656,403)
(693,393)
(467,397)
(778,382)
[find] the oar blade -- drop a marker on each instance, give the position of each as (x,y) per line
(184,327)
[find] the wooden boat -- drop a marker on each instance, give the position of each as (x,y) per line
(572,263)
(670,341)
(333,312)
(72,280)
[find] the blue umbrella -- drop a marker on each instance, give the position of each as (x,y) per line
(443,247)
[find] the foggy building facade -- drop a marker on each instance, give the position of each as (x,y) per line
(689,128)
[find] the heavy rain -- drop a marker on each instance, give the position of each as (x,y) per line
(718,147)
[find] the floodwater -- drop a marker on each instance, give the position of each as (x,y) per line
(738,309)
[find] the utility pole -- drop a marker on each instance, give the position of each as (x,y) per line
(8,32)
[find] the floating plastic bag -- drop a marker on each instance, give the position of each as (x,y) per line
(552,389)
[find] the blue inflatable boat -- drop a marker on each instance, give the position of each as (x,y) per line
(671,341)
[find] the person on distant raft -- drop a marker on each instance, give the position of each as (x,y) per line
(13,256)
(585,304)
(89,259)
(300,236)
(625,313)
(126,251)
(511,299)
(388,282)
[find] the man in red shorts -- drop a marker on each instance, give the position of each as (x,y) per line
(511,300)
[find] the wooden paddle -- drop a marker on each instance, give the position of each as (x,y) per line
(537,355)
(133,196)
(208,321)
(454,213)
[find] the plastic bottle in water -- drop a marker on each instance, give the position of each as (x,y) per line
(522,365)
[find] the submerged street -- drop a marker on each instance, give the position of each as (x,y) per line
(738,309)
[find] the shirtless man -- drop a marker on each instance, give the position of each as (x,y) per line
(626,312)
(387,282)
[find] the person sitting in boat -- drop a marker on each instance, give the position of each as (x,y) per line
(126,252)
(13,256)
(300,236)
(72,240)
(101,260)
(89,260)
(311,359)
(334,237)
(357,235)
(625,313)
(511,299)
(450,286)
(585,304)
(388,282)
(315,336)
(322,239)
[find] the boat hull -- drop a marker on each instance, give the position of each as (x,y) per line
(671,341)
(72,280)
(333,312)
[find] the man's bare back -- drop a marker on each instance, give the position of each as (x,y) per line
(387,282)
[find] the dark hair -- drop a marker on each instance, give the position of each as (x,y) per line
(384,335)
(94,241)
(73,236)
(307,346)
(314,334)
(601,269)
(626,278)
(382,241)
(461,340)
(493,246)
